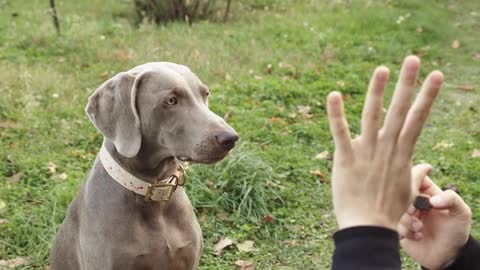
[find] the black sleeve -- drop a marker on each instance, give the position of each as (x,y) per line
(366,248)
(468,258)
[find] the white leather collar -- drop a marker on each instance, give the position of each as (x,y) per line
(162,190)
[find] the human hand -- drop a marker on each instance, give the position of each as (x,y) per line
(434,238)
(371,179)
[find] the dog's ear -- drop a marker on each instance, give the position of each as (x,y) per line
(112,109)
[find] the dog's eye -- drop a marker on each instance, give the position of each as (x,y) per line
(207,94)
(172,101)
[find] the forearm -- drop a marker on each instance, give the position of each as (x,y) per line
(365,247)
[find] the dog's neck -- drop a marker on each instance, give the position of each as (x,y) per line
(143,166)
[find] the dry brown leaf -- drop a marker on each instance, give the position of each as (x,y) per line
(246,246)
(245,265)
(456,44)
(15,178)
(322,155)
(443,145)
(3,221)
(221,245)
(7,123)
(277,120)
(52,167)
(267,218)
(269,69)
(15,262)
(476,153)
(321,175)
(466,87)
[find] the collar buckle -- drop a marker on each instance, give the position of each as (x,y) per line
(160,191)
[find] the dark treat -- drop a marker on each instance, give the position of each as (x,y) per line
(422,203)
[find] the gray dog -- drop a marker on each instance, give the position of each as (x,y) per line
(132,211)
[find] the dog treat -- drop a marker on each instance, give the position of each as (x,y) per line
(422,203)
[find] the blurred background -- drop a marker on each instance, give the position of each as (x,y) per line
(269,65)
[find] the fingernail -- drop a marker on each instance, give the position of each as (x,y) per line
(417,225)
(411,210)
(436,200)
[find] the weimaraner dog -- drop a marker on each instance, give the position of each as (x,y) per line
(132,212)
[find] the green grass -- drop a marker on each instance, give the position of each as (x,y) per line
(314,47)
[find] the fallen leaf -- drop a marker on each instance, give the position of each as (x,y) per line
(15,178)
(245,265)
(476,153)
(442,145)
(12,263)
(269,68)
(257,77)
(246,246)
(466,87)
(267,218)
(277,120)
(322,155)
(456,44)
(8,124)
(228,77)
(221,245)
(3,221)
(321,175)
(341,83)
(419,29)
(52,167)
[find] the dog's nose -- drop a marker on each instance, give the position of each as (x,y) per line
(227,139)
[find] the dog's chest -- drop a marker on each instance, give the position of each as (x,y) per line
(154,250)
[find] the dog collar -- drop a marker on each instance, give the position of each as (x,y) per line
(161,190)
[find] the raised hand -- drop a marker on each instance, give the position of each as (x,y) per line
(371,182)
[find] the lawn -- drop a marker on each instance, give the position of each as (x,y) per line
(269,70)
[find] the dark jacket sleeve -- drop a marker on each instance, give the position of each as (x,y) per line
(468,258)
(366,247)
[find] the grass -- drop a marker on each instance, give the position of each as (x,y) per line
(313,47)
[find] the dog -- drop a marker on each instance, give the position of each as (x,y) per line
(132,211)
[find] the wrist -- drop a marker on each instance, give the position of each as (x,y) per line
(349,222)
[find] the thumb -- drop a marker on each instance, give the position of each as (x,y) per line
(419,172)
(449,200)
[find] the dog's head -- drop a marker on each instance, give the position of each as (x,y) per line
(162,108)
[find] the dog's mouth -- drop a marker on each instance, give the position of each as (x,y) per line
(208,159)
